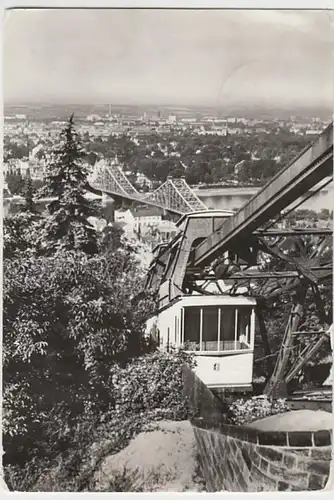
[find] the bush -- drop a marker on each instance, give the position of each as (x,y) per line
(152,383)
(67,320)
(245,411)
(146,390)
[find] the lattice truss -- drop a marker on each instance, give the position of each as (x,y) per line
(298,264)
(175,195)
(266,266)
(111,179)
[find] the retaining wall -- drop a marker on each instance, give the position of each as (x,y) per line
(240,459)
(234,458)
(200,399)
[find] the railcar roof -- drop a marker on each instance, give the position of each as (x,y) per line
(204,214)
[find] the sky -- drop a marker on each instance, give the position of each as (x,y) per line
(179,57)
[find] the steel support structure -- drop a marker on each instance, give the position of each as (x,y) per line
(308,353)
(276,387)
(174,195)
(313,165)
(231,253)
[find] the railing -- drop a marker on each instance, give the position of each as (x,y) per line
(215,346)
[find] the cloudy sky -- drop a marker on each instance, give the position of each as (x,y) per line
(169,57)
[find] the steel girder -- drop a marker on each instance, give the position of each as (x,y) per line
(174,195)
(313,165)
(109,178)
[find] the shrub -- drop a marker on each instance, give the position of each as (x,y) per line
(152,383)
(146,390)
(245,411)
(67,320)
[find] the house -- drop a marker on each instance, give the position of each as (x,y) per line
(142,180)
(125,216)
(146,218)
(140,130)
(21,166)
(312,132)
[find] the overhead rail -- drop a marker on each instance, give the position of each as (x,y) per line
(312,165)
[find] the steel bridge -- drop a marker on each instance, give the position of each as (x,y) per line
(174,195)
(212,249)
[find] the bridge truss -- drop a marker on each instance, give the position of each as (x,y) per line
(251,253)
(174,195)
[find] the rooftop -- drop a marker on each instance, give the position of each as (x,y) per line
(146,212)
(205,214)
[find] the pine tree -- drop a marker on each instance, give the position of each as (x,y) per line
(29,204)
(66,225)
(15,182)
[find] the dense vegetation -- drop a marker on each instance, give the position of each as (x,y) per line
(80,378)
(200,158)
(72,324)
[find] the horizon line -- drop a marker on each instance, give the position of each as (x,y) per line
(169,105)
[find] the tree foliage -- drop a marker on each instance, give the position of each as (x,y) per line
(21,234)
(65,325)
(15,182)
(16,151)
(70,312)
(29,192)
(201,158)
(66,226)
(152,383)
(246,411)
(145,390)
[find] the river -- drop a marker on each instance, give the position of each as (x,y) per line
(230,198)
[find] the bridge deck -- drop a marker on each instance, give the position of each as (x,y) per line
(174,195)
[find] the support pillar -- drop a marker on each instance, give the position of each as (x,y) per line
(108,207)
(330,482)
(265,340)
(277,387)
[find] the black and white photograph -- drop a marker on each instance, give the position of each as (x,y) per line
(167,250)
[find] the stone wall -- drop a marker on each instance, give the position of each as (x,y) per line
(240,459)
(200,399)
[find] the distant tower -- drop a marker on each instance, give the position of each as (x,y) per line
(109,112)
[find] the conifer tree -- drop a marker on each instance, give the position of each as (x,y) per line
(66,225)
(28,192)
(15,182)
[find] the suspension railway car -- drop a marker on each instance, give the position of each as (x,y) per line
(218,329)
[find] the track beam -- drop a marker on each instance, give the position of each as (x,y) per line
(312,166)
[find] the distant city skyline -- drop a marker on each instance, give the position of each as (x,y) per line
(265,58)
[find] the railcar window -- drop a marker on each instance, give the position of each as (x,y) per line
(192,327)
(213,328)
(168,338)
(244,326)
(210,329)
(227,329)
